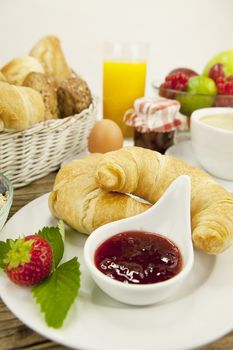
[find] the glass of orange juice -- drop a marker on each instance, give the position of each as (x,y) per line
(124,78)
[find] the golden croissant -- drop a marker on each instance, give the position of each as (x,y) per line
(81,204)
(20,107)
(148,174)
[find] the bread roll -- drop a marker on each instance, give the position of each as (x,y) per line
(2,78)
(20,107)
(16,70)
(73,96)
(49,52)
(41,83)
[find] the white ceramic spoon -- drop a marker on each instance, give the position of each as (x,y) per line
(169,217)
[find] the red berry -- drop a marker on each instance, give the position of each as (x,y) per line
(225,85)
(216,72)
(225,91)
(176,81)
(29,261)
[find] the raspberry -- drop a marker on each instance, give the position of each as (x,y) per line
(216,72)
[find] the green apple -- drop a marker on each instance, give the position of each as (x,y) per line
(201,85)
(201,93)
(225,58)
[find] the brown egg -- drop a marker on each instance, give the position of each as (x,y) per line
(105,136)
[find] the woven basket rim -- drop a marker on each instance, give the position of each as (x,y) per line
(52,124)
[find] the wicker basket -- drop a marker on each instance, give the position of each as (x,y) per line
(33,153)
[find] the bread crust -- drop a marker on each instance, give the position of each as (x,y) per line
(2,77)
(17,69)
(42,84)
(148,174)
(20,107)
(49,52)
(77,200)
(73,96)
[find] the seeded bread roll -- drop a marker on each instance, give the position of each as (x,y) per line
(73,96)
(41,83)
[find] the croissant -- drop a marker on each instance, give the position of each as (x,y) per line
(20,107)
(77,200)
(147,174)
(16,70)
(49,52)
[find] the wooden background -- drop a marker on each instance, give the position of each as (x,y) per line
(13,333)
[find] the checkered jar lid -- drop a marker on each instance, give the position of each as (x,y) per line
(154,115)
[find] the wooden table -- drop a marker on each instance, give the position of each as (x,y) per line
(13,333)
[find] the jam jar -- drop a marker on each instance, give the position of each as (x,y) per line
(154,121)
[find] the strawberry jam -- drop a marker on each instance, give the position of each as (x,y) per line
(138,257)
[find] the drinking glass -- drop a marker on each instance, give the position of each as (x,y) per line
(124,79)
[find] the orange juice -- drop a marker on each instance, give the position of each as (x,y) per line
(123,83)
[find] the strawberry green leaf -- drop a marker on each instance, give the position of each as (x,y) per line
(53,236)
(20,252)
(5,247)
(56,294)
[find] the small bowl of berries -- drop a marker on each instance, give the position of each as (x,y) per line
(6,198)
(212,88)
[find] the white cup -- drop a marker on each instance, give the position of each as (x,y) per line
(213,146)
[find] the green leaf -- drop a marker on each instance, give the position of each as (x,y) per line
(53,236)
(56,294)
(5,247)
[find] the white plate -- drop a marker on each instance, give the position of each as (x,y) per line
(184,151)
(199,313)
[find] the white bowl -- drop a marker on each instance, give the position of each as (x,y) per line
(4,211)
(213,146)
(170,217)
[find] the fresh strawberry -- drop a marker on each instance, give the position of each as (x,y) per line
(29,260)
